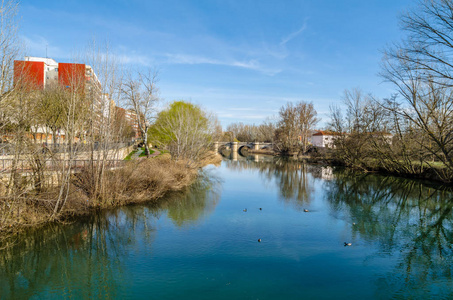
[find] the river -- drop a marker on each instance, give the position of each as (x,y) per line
(242,232)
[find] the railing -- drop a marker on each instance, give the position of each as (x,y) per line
(245,143)
(9,149)
(22,165)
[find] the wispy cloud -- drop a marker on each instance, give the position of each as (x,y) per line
(135,59)
(293,35)
(251,64)
(192,60)
(186,59)
(241,118)
(253,109)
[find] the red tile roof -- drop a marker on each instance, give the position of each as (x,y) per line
(321,132)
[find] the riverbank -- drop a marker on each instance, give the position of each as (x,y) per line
(415,171)
(141,180)
(263,151)
(436,173)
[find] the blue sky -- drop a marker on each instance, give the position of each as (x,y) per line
(240,59)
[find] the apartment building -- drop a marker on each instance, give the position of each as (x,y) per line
(39,72)
(35,72)
(127,117)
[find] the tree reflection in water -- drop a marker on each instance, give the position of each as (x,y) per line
(190,206)
(408,219)
(84,259)
(295,180)
(58,255)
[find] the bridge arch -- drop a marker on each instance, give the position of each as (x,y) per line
(238,146)
(243,148)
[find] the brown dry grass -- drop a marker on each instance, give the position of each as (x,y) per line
(145,180)
(212,158)
(142,180)
(138,181)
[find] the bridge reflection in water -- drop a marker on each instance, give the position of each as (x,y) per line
(231,149)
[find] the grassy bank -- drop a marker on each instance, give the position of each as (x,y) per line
(142,154)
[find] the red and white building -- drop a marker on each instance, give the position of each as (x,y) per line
(38,73)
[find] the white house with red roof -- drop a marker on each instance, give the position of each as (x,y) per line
(324,139)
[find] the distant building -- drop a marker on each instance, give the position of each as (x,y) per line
(324,139)
(35,72)
(124,119)
(131,119)
(38,73)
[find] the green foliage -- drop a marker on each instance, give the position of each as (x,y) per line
(184,129)
(163,133)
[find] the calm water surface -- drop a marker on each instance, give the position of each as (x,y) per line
(201,244)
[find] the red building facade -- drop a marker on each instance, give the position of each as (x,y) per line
(29,73)
(71,75)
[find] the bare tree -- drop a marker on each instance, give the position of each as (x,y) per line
(9,43)
(287,133)
(428,108)
(362,132)
(266,130)
(428,46)
(307,121)
(421,69)
(141,94)
(294,126)
(104,127)
(9,51)
(234,129)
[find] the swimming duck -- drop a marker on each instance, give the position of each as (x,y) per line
(347,244)
(305,210)
(245,210)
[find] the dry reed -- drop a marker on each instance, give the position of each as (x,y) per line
(138,181)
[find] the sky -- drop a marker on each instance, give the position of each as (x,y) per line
(240,59)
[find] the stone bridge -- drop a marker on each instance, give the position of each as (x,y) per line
(237,146)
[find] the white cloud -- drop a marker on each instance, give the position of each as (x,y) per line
(135,59)
(292,35)
(194,60)
(242,118)
(253,109)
